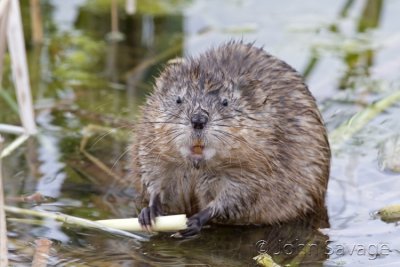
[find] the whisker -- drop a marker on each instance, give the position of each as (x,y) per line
(239,126)
(245,114)
(119,158)
(169,141)
(162,122)
(153,141)
(98,139)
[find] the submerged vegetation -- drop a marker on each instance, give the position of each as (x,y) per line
(72,65)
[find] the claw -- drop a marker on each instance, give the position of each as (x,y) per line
(145,219)
(147,216)
(193,228)
(194,224)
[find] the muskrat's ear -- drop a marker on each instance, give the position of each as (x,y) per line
(170,70)
(176,61)
(158,83)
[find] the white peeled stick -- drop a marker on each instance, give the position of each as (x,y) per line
(169,223)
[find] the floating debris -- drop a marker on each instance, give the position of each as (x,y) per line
(389,155)
(390,213)
(265,260)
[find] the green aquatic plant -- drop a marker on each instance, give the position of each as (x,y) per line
(154,7)
(344,132)
(75,57)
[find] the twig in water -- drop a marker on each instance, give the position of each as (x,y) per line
(73,221)
(3,228)
(36,198)
(42,252)
(359,120)
(87,133)
(147,63)
(14,145)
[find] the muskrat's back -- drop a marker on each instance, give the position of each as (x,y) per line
(232,136)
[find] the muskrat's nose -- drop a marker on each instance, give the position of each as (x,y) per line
(199,121)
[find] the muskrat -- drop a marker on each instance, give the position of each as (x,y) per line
(233,136)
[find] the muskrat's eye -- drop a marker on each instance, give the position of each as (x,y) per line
(179,100)
(225,102)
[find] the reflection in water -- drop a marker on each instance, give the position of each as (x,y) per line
(358,59)
(148,31)
(53,176)
(312,62)
(49,156)
(359,63)
(293,243)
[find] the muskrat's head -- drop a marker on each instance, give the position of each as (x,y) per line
(200,112)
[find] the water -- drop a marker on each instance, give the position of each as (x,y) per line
(348,51)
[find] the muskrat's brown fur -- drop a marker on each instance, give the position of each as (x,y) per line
(233,136)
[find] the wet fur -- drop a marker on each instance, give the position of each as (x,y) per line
(269,153)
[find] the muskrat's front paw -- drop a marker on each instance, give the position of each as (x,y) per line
(193,229)
(148,216)
(195,223)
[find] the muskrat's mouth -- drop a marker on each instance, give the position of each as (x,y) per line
(197,153)
(197,150)
(198,147)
